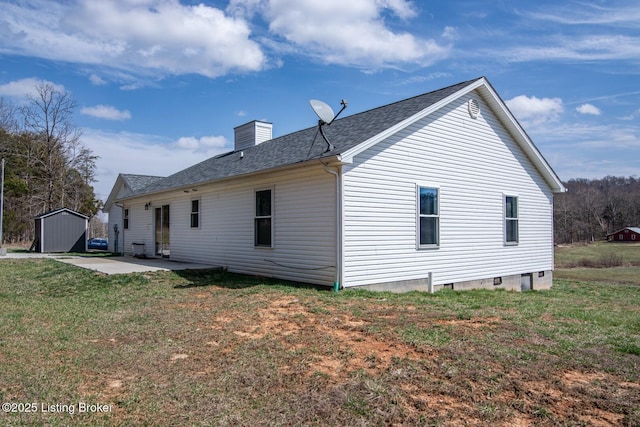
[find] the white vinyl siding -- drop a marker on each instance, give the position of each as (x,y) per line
(140,228)
(474,163)
(303,222)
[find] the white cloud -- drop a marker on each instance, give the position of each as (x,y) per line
(635,114)
(352,33)
(589,109)
(162,37)
(140,36)
(533,111)
(581,149)
(126,152)
(203,144)
(560,32)
(601,47)
(425,78)
(97,80)
(22,88)
(592,14)
(106,112)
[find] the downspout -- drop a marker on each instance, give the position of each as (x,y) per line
(338,175)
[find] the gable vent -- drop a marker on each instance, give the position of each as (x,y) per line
(474,108)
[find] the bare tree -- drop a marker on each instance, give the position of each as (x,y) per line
(47,165)
(592,209)
(8,120)
(48,118)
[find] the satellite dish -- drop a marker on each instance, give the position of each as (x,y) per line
(324,112)
(326,116)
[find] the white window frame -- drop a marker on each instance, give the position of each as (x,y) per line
(419,215)
(507,219)
(192,213)
(257,217)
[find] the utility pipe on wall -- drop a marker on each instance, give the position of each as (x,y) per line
(336,283)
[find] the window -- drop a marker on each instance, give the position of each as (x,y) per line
(511,220)
(263,218)
(195,213)
(125,219)
(428,217)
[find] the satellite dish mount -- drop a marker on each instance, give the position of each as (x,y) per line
(326,117)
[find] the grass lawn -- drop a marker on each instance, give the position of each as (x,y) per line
(598,254)
(214,348)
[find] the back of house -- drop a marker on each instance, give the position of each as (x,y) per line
(444,189)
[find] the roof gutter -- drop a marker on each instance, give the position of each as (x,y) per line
(330,160)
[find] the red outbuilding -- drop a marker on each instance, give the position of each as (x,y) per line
(628,234)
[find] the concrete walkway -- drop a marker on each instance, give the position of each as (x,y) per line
(116,265)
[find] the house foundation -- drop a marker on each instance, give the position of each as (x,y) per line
(540,280)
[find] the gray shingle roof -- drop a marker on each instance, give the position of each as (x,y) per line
(344,134)
(137,183)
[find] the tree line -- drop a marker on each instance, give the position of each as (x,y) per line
(592,209)
(47,166)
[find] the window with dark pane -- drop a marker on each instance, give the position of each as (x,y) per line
(511,219)
(195,213)
(429,216)
(263,218)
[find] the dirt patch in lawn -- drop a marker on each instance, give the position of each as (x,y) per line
(459,384)
(288,317)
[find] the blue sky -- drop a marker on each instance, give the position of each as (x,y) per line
(160,84)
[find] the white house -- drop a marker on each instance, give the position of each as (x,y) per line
(444,189)
(126,185)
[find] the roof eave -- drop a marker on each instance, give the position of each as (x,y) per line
(333,160)
(111,199)
(523,139)
(57,211)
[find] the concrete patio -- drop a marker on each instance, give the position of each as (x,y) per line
(116,265)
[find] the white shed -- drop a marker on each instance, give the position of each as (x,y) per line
(444,189)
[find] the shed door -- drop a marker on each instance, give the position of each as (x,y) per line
(162,231)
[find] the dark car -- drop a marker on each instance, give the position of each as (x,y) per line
(97,243)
